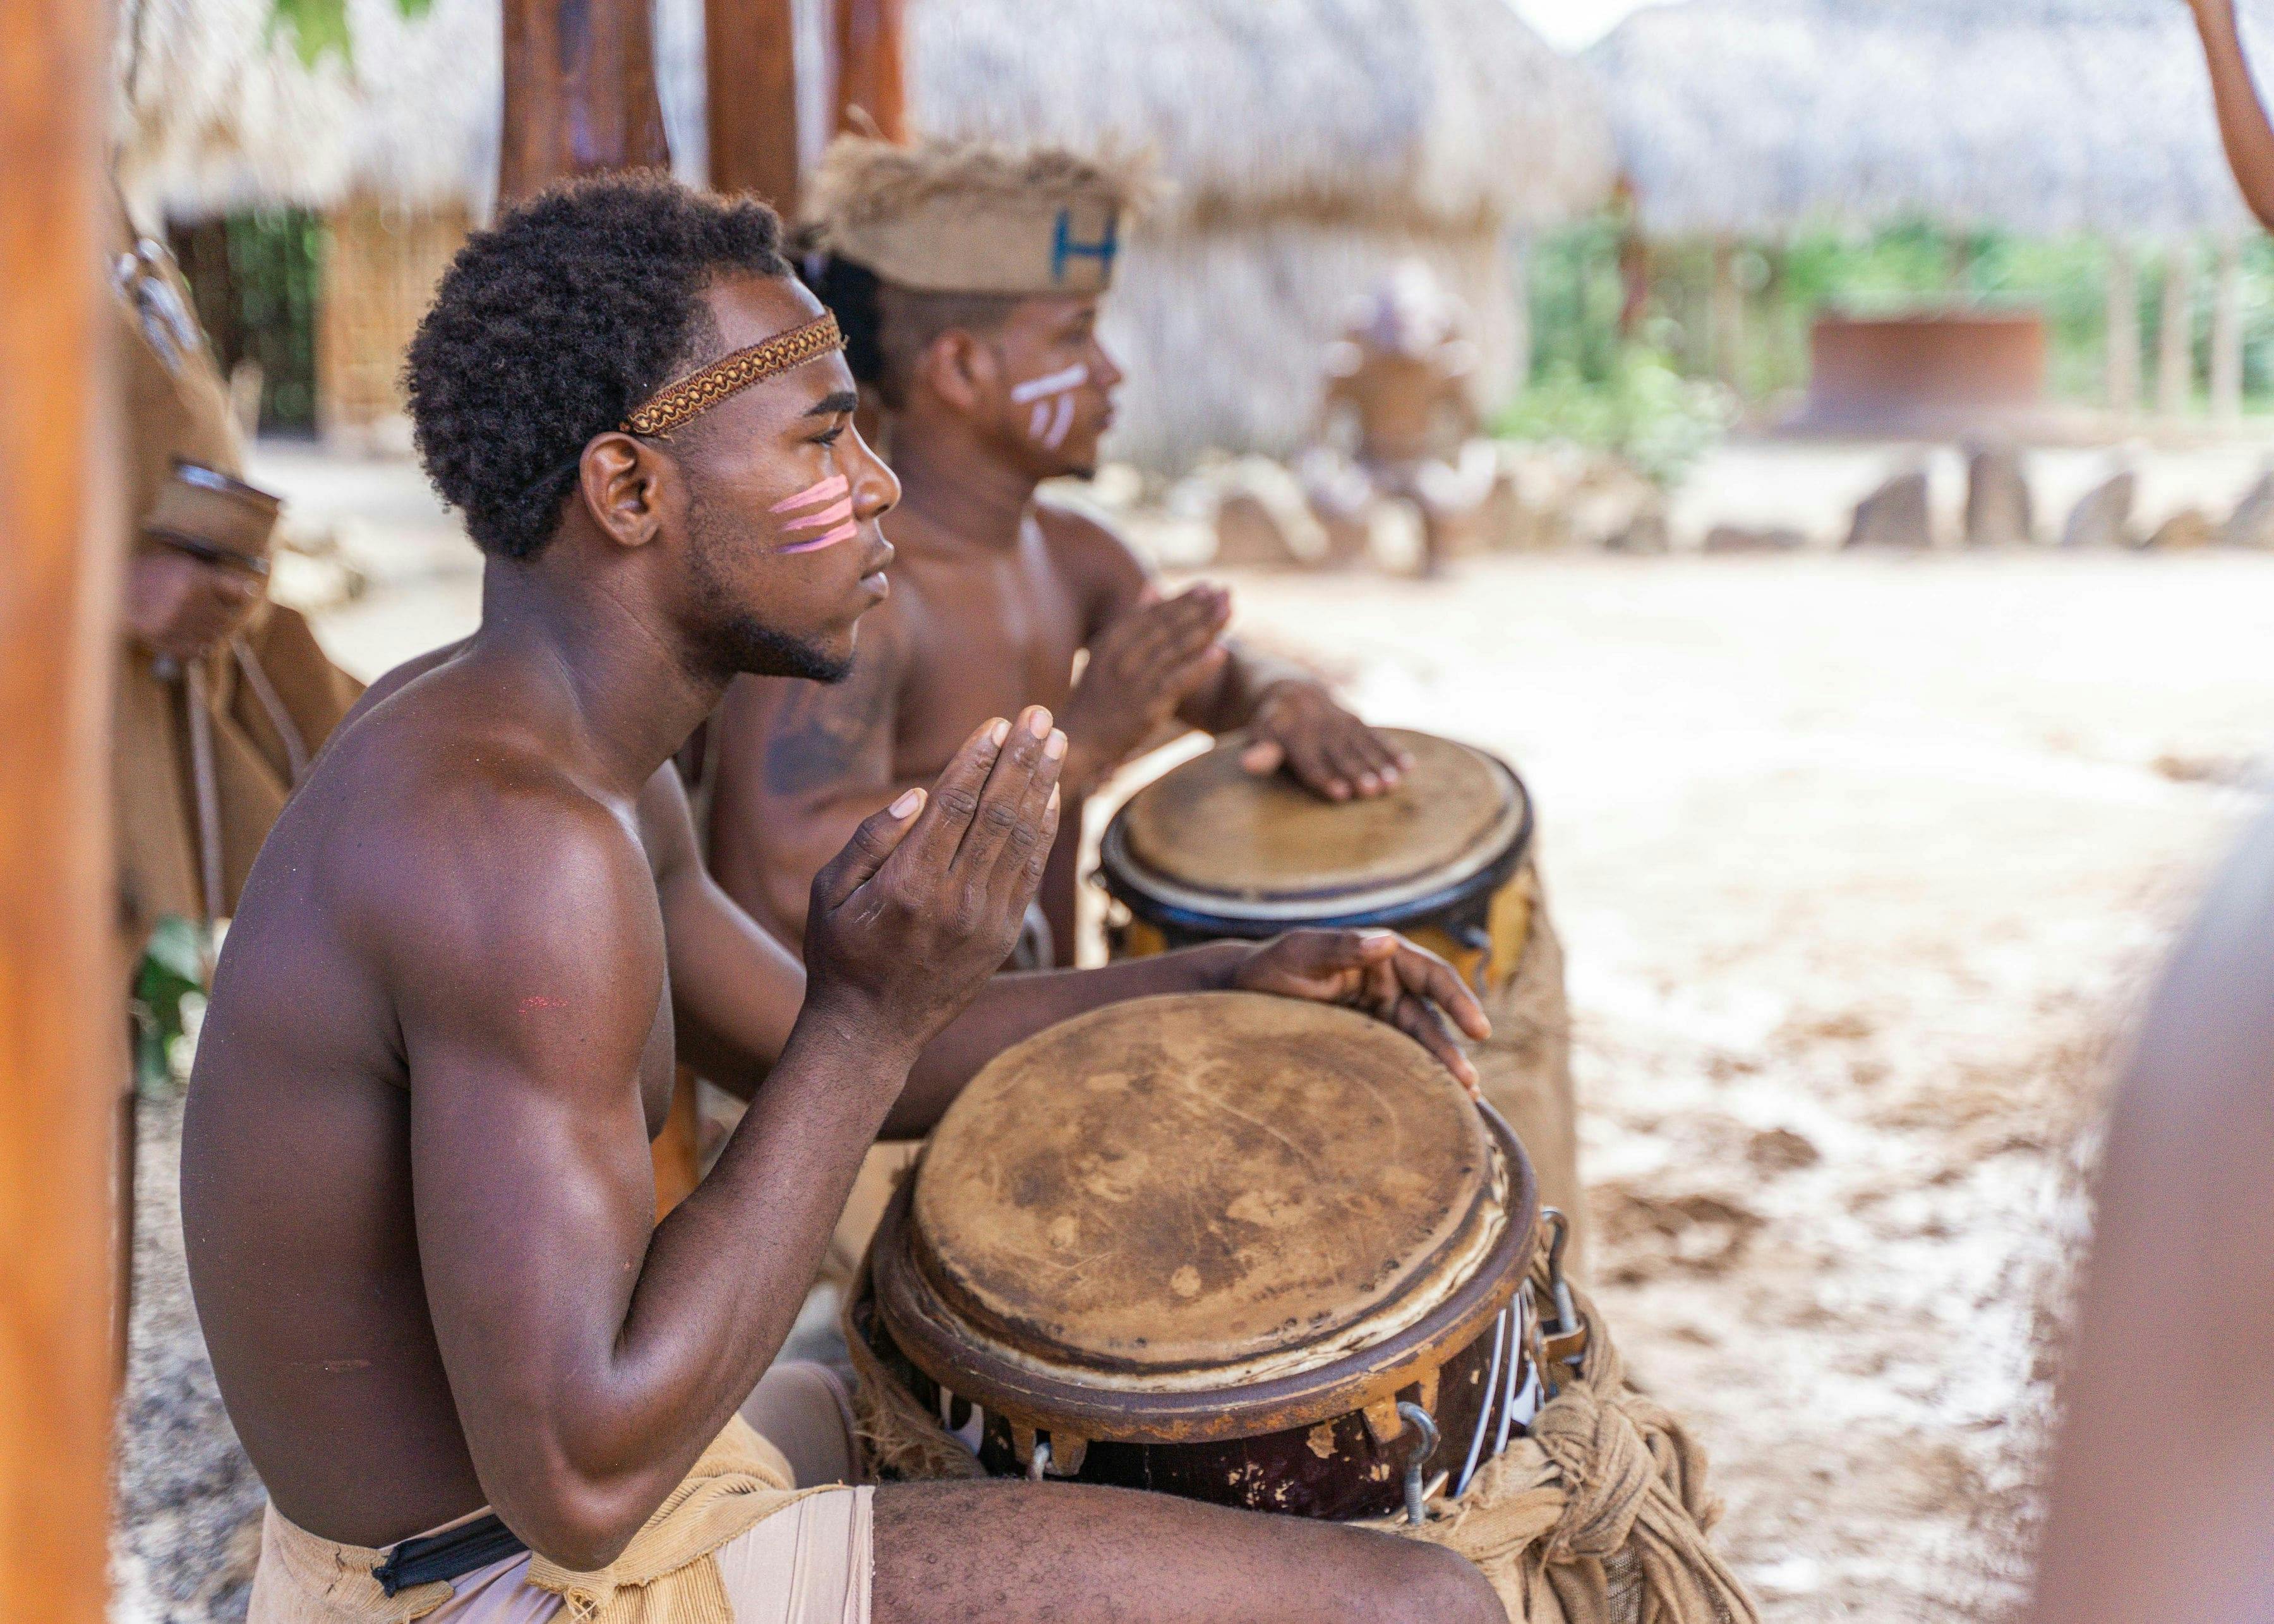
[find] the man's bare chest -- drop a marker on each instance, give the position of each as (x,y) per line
(981,642)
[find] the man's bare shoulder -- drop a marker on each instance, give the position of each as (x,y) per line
(1092,557)
(437,824)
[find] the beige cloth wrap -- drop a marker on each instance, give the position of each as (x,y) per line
(667,1575)
(1524,1068)
(1599,1517)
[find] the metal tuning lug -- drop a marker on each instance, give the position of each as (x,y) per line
(1417,1504)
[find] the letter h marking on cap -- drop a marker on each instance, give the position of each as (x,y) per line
(1064,246)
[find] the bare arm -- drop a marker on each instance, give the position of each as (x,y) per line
(2163,1492)
(592,1356)
(736,990)
(2242,124)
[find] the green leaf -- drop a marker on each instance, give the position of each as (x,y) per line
(319,26)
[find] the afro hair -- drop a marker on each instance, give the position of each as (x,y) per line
(552,325)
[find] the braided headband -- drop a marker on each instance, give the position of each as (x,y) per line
(675,404)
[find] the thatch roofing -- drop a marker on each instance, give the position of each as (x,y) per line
(217,109)
(1756,117)
(1437,112)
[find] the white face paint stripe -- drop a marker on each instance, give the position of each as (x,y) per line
(1060,423)
(836,485)
(1056,383)
(1037,419)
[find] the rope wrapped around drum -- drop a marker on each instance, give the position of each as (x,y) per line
(1599,1515)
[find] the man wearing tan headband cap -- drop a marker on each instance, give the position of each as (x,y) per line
(968,280)
(480,1381)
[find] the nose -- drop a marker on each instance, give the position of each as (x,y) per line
(876,487)
(1106,374)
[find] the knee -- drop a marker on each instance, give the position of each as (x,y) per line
(1429,1582)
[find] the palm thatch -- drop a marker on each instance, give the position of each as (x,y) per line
(1306,145)
(1737,118)
(216,111)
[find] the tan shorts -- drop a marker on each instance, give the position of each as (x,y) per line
(809,1563)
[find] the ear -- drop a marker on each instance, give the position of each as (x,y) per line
(621,481)
(962,370)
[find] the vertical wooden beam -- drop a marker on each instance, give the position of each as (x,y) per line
(580,93)
(871,88)
(751,67)
(2175,345)
(2226,332)
(2123,328)
(61,1022)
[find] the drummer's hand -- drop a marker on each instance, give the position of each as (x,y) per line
(926,901)
(182,607)
(1380,973)
(1141,667)
(1327,750)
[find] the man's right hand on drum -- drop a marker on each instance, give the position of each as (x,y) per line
(1380,973)
(925,902)
(1144,664)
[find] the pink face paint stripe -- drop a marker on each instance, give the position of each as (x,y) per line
(836,485)
(843,532)
(835,514)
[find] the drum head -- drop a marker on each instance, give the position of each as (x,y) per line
(1196,1180)
(1210,827)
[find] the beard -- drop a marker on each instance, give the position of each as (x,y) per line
(737,641)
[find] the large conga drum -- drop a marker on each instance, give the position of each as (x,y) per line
(1210,851)
(1245,1249)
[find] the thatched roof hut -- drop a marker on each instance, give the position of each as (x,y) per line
(1752,118)
(1309,145)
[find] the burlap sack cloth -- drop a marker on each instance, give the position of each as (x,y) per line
(1524,1068)
(1599,1517)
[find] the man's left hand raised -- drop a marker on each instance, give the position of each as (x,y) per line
(1377,972)
(1329,752)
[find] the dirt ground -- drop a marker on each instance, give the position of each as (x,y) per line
(1861,863)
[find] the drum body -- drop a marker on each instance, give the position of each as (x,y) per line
(1206,1245)
(1210,851)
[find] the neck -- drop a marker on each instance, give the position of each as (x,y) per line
(950,481)
(628,696)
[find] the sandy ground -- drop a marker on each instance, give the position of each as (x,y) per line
(1861,863)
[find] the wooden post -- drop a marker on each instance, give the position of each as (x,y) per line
(580,99)
(579,92)
(871,92)
(2175,363)
(2123,328)
(61,1020)
(2226,332)
(752,73)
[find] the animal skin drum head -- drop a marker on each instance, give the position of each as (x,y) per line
(1196,1180)
(1211,826)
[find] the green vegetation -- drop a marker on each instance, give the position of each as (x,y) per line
(319,27)
(1596,364)
(170,994)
